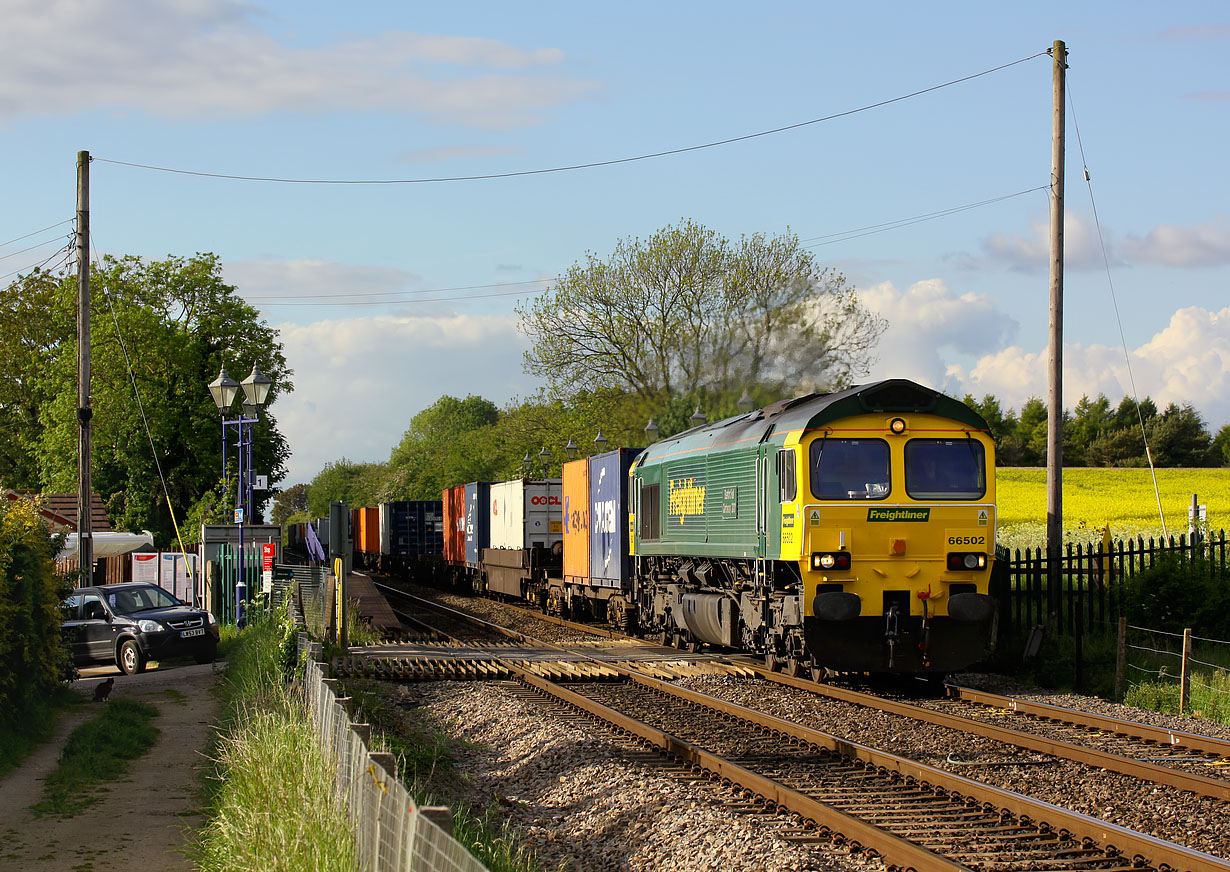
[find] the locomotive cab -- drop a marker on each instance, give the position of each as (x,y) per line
(898,538)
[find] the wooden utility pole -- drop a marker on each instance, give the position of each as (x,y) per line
(85,488)
(1054,433)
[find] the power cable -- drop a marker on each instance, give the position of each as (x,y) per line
(36,232)
(917,219)
(1110,282)
(394,293)
(265,305)
(581,166)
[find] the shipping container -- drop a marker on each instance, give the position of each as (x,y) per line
(477,521)
(609,563)
(576,521)
(454,506)
(526,514)
(367,530)
(411,528)
(322,532)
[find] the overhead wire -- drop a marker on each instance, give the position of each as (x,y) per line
(1110,283)
(36,232)
(580,166)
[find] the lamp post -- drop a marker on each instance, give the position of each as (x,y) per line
(651,431)
(698,417)
(224,389)
(571,449)
(544,457)
(600,442)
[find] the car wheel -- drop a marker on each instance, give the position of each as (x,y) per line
(130,660)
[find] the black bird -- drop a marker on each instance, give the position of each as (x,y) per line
(103,690)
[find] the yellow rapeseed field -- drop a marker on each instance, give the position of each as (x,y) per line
(1122,499)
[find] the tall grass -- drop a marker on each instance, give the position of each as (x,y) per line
(273,805)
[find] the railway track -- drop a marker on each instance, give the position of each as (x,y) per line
(1184,761)
(912,815)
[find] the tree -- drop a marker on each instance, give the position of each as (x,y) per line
(164,326)
(689,313)
(292,501)
(357,484)
(1178,437)
(1220,453)
(1090,420)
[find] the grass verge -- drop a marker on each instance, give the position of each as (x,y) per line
(24,731)
(272,805)
(97,752)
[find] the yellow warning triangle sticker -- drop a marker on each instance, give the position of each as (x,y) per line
(813,517)
(982,518)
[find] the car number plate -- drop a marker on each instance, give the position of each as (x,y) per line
(197,632)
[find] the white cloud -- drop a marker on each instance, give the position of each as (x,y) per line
(1199,245)
(359,381)
(1196,245)
(193,58)
(1030,251)
(1188,361)
(928,323)
(303,280)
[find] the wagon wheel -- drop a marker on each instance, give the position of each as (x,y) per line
(694,646)
(770,661)
(794,667)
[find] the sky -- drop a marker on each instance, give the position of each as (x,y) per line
(915,161)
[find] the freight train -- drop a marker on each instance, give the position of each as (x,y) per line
(848,532)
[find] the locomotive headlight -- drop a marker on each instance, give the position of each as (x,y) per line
(966,561)
(897,425)
(831,560)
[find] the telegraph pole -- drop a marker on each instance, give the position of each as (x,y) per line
(1054,433)
(85,488)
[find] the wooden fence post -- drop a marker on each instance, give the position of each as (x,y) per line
(1120,659)
(1185,675)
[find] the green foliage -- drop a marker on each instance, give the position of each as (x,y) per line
(291,501)
(687,311)
(19,736)
(273,804)
(358,484)
(97,752)
(179,322)
(33,659)
(1175,593)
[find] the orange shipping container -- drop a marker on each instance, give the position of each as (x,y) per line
(455,525)
(576,521)
(367,530)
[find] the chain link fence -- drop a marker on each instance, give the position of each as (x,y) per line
(393,833)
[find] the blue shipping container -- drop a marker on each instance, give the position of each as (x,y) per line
(609,564)
(478,531)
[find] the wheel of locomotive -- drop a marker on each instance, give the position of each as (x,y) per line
(678,640)
(794,667)
(664,638)
(818,674)
(770,661)
(694,646)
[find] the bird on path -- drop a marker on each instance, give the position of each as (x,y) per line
(103,690)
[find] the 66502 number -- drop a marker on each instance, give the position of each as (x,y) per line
(967,540)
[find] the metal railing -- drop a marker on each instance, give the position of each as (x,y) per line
(393,833)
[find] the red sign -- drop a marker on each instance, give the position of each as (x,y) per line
(267,550)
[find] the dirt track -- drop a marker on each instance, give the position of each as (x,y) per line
(143,820)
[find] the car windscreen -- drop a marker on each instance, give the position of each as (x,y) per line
(138,599)
(849,469)
(945,469)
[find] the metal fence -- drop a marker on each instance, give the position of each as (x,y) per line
(393,833)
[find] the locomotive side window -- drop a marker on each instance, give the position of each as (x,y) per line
(945,469)
(787,479)
(650,512)
(849,469)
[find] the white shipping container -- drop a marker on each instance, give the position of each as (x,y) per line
(525,514)
(386,528)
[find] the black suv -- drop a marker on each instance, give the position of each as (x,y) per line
(130,624)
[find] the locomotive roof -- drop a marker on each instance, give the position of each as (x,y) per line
(812,411)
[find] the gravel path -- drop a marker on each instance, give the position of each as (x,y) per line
(144,820)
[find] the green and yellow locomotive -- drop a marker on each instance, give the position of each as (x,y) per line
(851,531)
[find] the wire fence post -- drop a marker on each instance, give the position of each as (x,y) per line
(1120,659)
(1185,673)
